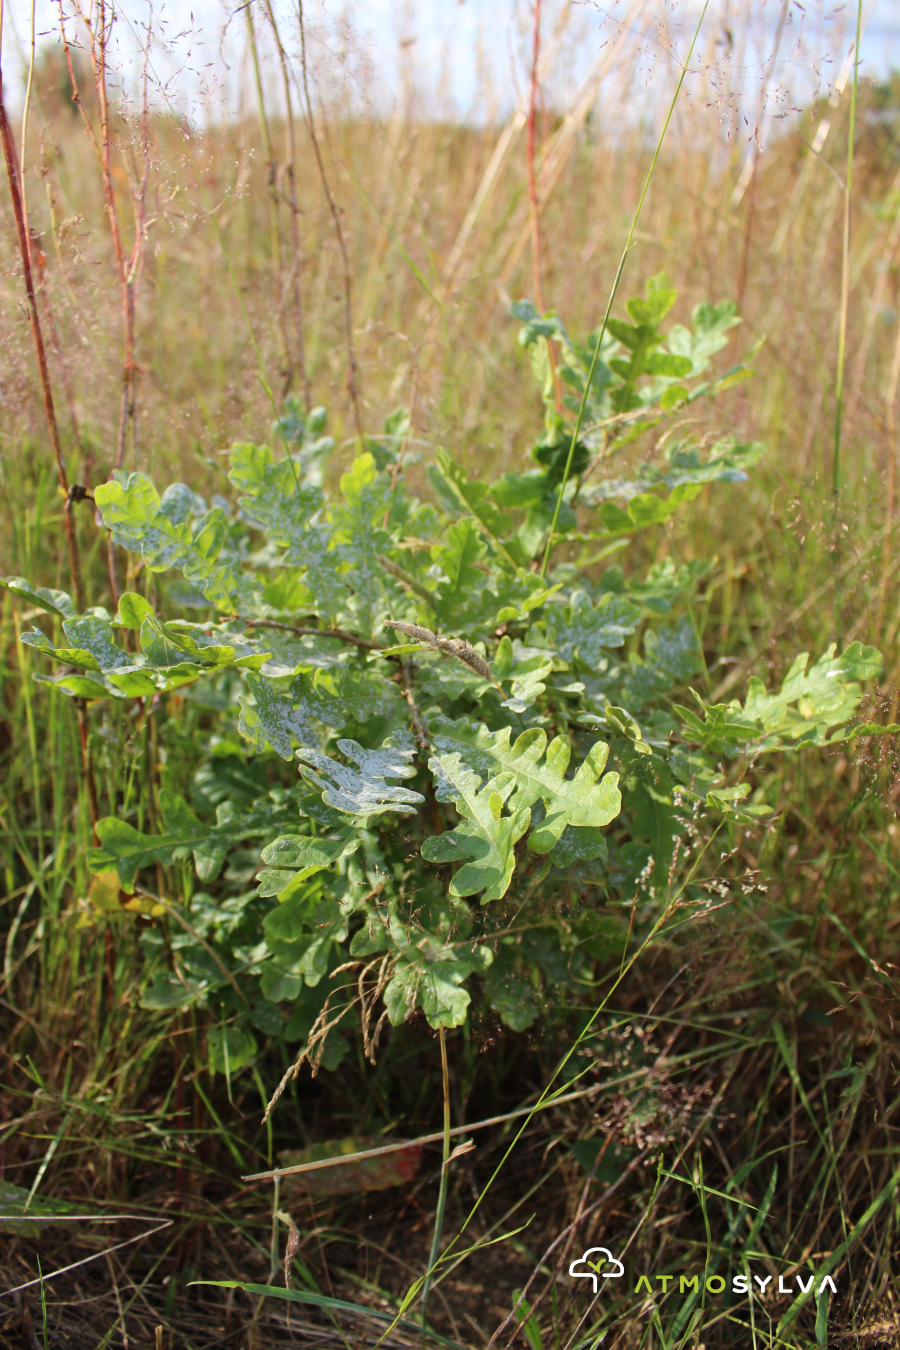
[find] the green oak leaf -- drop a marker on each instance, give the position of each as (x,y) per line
(457,559)
(363,791)
(510,992)
(359,537)
(272,719)
(41,597)
(433,981)
(127,851)
(159,529)
(485,842)
(711,324)
(528,684)
(538,771)
(671,656)
(584,630)
(343,694)
(292,858)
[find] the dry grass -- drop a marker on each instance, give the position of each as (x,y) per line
(728,1053)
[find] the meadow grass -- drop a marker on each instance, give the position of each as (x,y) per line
(759,1088)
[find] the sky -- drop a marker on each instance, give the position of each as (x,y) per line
(468,59)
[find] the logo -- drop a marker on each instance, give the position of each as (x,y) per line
(591,1264)
(600,1255)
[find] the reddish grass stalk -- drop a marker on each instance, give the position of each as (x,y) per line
(129,267)
(40,260)
(15,192)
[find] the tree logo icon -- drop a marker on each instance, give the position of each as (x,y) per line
(592,1262)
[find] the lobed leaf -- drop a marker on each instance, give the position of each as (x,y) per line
(42,597)
(486,838)
(363,791)
(584,630)
(292,858)
(127,851)
(159,529)
(590,799)
(813,707)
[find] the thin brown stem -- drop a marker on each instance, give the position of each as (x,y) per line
(744,265)
(267,144)
(886,269)
(295,211)
(415,716)
(536,252)
(890,495)
(129,267)
(59,352)
(529,155)
(339,234)
(93,805)
(348,1158)
(15,192)
(29,83)
(300,631)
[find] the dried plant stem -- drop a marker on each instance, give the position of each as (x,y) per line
(842,329)
(845,265)
(93,805)
(267,144)
(15,192)
(534,203)
(890,496)
(339,234)
(295,212)
(25,110)
(301,631)
(612,295)
(754,172)
(458,648)
(442,1191)
(344,1158)
(129,268)
(886,269)
(273,1261)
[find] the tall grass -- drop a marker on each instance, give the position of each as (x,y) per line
(372,261)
